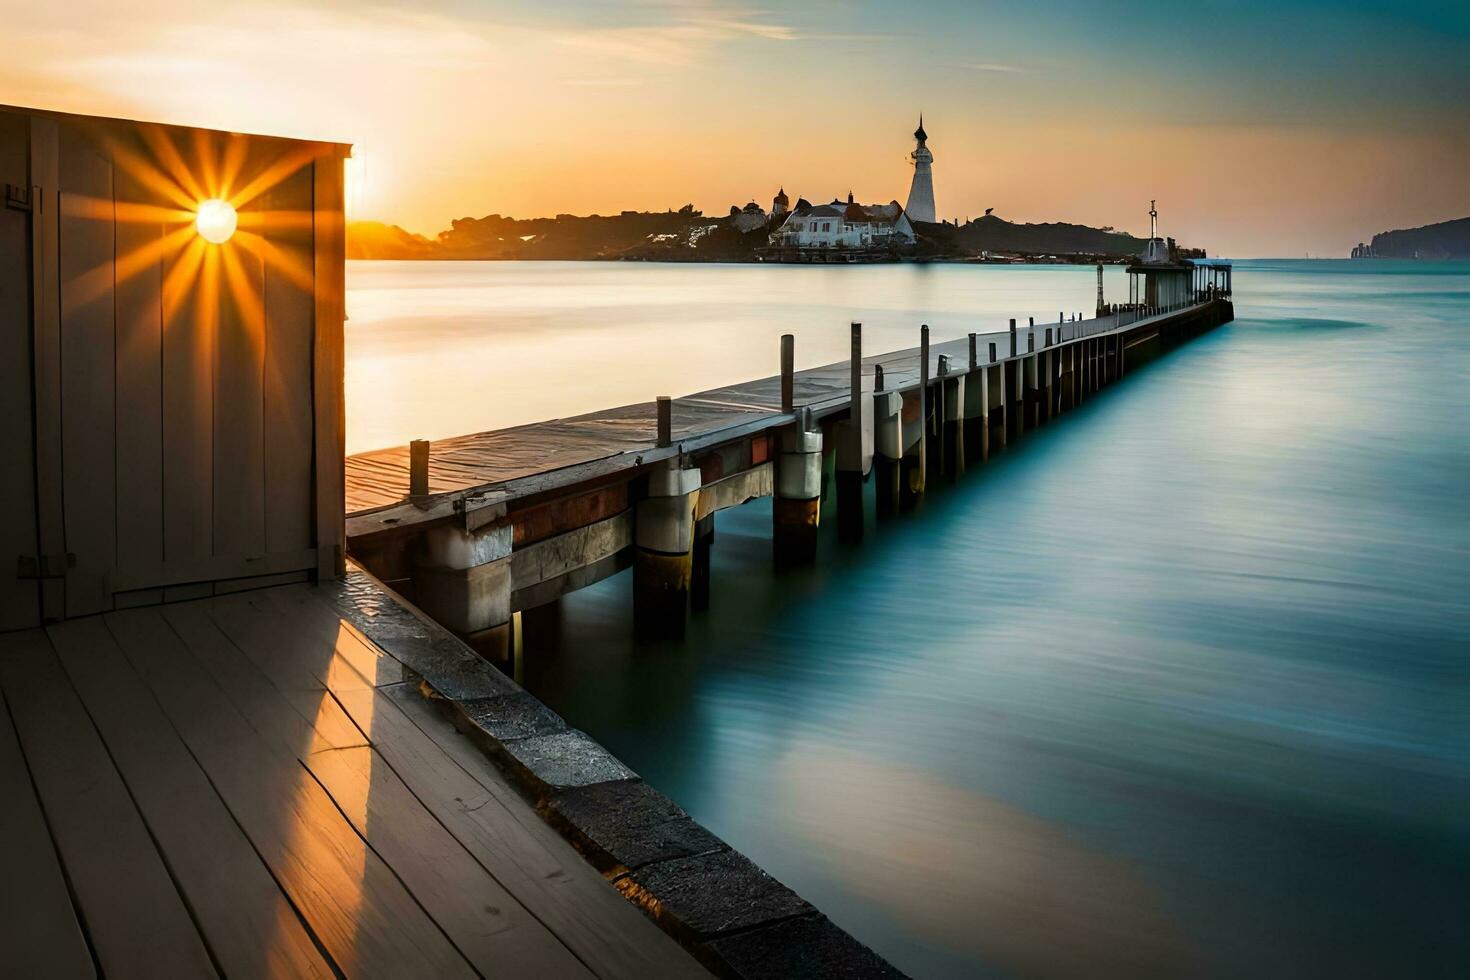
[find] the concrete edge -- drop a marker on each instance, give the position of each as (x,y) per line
(736,919)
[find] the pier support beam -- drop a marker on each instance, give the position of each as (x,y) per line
(977,413)
(887,447)
(854,437)
(663,553)
(462,580)
(704,537)
(952,393)
(796,510)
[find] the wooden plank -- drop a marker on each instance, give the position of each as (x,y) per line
(299,718)
(137,923)
(46,346)
(238,507)
(19,599)
(470,798)
(88,444)
(139,377)
(39,934)
(250,927)
(289,322)
(328,401)
(556,556)
(192,278)
(354,903)
(484,921)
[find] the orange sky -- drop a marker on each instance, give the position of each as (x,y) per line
(1262,129)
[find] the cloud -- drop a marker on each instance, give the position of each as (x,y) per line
(995,67)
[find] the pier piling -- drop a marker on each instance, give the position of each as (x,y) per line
(663,554)
(797,508)
(854,446)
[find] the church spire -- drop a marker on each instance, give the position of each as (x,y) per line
(919,133)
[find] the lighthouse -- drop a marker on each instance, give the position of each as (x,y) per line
(921,192)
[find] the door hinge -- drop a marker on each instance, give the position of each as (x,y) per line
(17,198)
(45,566)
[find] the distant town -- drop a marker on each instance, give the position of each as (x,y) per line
(840,231)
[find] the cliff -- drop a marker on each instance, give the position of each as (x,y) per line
(1446,240)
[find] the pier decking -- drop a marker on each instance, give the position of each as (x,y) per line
(518,461)
(250,786)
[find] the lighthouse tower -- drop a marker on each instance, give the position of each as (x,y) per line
(921,192)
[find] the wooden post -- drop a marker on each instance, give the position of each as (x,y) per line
(418,468)
(916,452)
(788,372)
(850,448)
(665,420)
(1013,337)
(974,353)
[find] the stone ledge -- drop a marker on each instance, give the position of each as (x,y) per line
(712,894)
(733,917)
(811,947)
(623,826)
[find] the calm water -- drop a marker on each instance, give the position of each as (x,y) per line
(1180,686)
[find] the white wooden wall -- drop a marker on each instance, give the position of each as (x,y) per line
(186,433)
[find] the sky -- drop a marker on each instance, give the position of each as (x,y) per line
(1263,128)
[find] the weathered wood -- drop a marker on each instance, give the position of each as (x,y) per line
(289,327)
(249,925)
(86,249)
(136,921)
(355,904)
(39,934)
(139,296)
(788,372)
(19,599)
(458,784)
(238,505)
(46,345)
(736,489)
(190,332)
(418,468)
(553,557)
(329,402)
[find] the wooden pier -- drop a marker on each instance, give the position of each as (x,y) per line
(250,786)
(505,521)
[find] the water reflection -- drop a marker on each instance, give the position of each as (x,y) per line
(1178,686)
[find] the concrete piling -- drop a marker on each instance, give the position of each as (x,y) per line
(797,508)
(462,579)
(704,537)
(663,553)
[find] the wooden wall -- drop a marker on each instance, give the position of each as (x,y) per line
(188,396)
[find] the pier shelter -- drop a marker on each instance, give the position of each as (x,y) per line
(171,311)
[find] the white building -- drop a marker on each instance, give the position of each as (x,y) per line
(921,192)
(845,225)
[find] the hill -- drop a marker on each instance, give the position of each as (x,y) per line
(687,235)
(1445,240)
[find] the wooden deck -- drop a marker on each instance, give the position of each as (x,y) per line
(247,786)
(518,460)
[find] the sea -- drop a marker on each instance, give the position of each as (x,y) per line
(1177,686)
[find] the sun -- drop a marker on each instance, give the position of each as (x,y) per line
(216,220)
